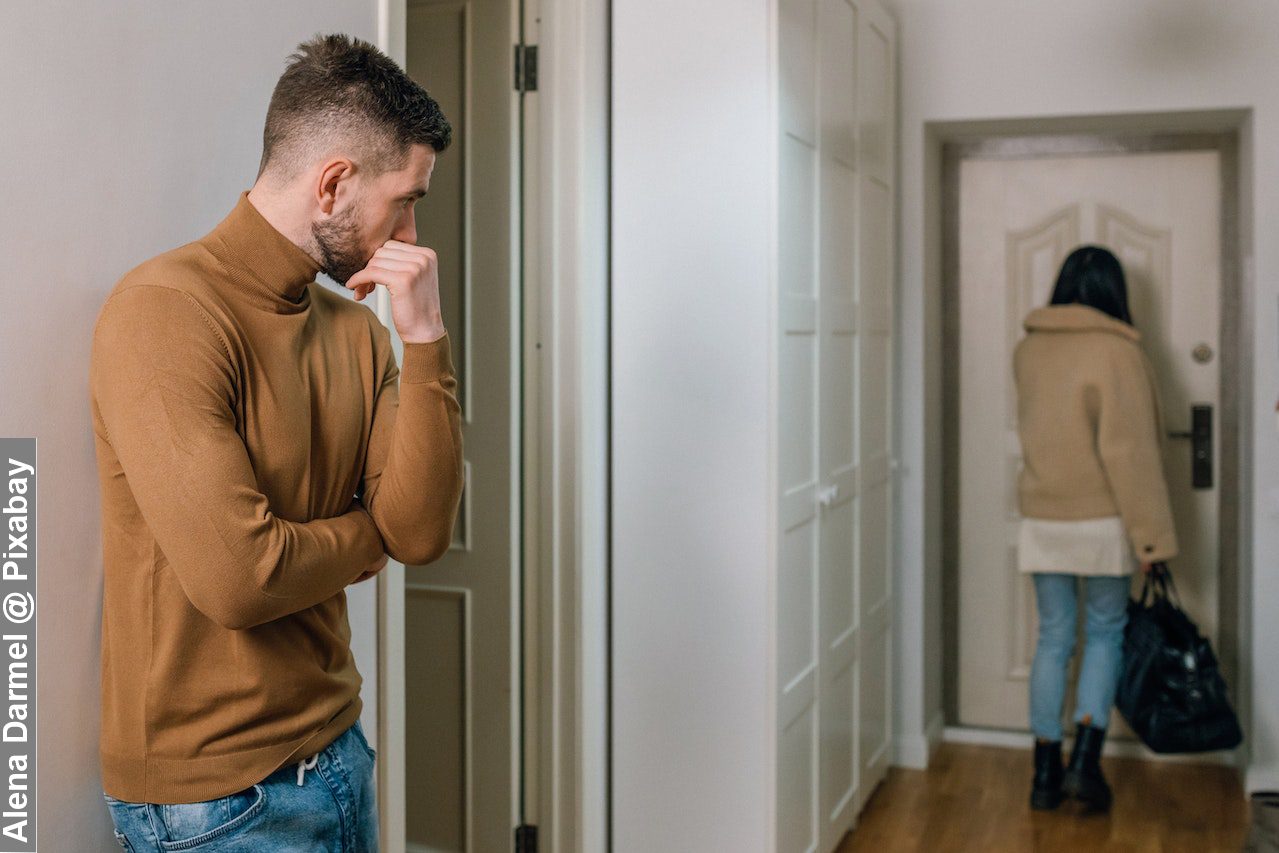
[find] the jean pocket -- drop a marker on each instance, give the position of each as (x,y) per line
(188,825)
(122,814)
(364,741)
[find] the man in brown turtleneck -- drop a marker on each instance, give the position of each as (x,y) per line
(259,450)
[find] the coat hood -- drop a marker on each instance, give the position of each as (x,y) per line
(1077,317)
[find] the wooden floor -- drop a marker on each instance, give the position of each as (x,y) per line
(976,798)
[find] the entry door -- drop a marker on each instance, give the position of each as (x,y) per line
(1018,219)
(462,640)
(834,425)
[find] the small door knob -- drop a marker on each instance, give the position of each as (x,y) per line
(827,496)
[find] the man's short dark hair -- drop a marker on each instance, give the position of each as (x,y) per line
(341,95)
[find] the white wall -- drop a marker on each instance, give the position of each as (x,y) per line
(1017,59)
(129,128)
(693,173)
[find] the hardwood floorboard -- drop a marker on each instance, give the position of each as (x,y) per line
(975,798)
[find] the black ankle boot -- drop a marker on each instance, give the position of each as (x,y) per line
(1083,779)
(1045,791)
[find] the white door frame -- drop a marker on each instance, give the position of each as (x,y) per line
(919,610)
(1230,497)
(569,240)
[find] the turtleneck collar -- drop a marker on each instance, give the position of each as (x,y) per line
(262,259)
(1077,317)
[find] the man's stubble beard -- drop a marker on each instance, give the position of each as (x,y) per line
(338,241)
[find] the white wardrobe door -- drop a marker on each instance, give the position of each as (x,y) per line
(837,615)
(835,354)
(798,357)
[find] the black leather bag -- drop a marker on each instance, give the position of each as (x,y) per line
(1171,691)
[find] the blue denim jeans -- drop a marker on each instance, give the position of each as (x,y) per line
(1105,615)
(333,810)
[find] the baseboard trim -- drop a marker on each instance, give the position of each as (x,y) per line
(1257,779)
(1118,748)
(911,751)
(933,733)
(915,751)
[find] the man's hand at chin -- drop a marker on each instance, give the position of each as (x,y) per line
(411,275)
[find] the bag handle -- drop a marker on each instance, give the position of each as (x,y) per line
(1160,579)
(1153,581)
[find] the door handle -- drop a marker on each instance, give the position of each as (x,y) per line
(827,496)
(1200,436)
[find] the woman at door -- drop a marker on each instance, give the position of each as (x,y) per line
(1094,503)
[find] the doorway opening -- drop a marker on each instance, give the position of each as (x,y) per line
(1014,201)
(493,663)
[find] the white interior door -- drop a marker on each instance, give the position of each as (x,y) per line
(462,643)
(835,372)
(1160,214)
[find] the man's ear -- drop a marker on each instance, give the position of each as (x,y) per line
(334,180)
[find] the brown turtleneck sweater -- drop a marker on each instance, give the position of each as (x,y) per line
(258,449)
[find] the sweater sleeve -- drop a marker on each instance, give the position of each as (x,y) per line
(413,474)
(164,386)
(1129,445)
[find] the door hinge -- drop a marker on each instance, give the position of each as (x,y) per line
(526,68)
(526,839)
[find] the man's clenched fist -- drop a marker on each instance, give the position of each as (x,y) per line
(411,274)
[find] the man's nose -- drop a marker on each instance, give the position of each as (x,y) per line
(407,232)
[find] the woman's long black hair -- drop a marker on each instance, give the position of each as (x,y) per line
(1093,276)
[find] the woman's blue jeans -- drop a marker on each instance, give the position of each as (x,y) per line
(1105,615)
(334,810)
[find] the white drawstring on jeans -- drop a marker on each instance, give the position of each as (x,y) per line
(305,765)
